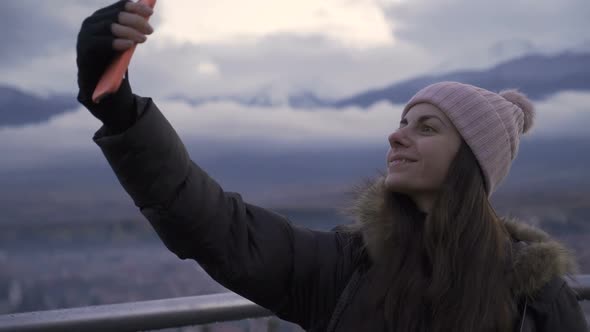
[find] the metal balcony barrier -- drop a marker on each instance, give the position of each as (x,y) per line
(134,316)
(160,314)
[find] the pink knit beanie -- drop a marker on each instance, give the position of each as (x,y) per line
(490,123)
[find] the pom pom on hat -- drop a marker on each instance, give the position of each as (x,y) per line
(520,99)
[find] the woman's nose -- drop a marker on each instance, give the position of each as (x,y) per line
(398,138)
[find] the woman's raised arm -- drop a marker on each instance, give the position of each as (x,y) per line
(295,272)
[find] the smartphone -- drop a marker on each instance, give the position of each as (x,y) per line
(111,79)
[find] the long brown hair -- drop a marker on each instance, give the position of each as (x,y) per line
(447,270)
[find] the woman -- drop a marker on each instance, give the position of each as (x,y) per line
(427,252)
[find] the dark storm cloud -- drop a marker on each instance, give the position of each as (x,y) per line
(459,24)
(30,28)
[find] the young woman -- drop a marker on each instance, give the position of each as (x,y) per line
(427,251)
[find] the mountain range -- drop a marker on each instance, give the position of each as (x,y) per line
(539,76)
(19,108)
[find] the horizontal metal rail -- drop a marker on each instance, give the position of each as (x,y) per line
(160,314)
(134,316)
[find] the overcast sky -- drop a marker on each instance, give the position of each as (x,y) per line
(331,47)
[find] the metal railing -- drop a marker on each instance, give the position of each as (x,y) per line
(134,316)
(160,314)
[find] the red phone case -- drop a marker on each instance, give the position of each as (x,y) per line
(111,79)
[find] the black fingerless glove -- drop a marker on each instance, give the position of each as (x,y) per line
(94,50)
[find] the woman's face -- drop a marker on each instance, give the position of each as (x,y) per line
(428,139)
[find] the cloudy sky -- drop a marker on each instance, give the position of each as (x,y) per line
(333,47)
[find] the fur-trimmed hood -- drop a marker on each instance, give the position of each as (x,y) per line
(536,257)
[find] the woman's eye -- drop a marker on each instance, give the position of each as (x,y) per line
(427,128)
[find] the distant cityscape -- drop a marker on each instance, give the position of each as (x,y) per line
(127,262)
(57,278)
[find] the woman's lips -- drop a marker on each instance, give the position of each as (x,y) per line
(400,163)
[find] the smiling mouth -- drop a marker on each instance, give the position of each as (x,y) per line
(401,162)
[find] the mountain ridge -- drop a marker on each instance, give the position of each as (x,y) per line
(20,108)
(538,76)
(565,71)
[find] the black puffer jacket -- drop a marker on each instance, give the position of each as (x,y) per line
(295,272)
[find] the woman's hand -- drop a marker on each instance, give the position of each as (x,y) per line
(104,34)
(131,26)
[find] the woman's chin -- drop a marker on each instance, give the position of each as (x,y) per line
(393,184)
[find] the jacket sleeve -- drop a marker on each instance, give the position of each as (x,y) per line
(295,272)
(558,309)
